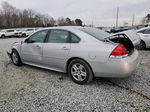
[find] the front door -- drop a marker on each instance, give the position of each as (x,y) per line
(32,49)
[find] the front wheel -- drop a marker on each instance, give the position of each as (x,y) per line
(24,35)
(16,58)
(3,36)
(80,71)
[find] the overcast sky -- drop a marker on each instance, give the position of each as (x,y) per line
(98,12)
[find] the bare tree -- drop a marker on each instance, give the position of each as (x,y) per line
(146,19)
(61,21)
(11,17)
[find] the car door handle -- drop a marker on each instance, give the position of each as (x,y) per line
(38,46)
(65,48)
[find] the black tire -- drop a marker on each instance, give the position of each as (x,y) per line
(3,36)
(142,45)
(18,62)
(89,74)
(24,35)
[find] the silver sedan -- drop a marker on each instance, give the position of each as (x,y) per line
(83,52)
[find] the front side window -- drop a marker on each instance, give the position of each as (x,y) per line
(38,36)
(3,31)
(58,36)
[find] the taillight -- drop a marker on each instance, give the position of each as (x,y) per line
(120,50)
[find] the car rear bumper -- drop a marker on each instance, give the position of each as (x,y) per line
(114,67)
(17,35)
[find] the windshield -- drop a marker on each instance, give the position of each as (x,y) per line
(2,31)
(98,34)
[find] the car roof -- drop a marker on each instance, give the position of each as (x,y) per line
(143,28)
(63,27)
(69,28)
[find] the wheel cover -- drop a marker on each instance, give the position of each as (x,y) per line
(15,58)
(78,72)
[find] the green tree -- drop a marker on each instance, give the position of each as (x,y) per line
(68,21)
(78,22)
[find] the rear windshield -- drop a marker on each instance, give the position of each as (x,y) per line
(98,34)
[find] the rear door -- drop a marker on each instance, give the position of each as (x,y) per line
(32,49)
(56,50)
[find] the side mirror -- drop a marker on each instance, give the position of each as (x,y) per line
(26,41)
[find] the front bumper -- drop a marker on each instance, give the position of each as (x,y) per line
(114,67)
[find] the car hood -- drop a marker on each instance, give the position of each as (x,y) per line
(16,43)
(2,33)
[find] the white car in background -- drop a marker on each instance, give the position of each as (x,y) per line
(18,33)
(28,31)
(145,37)
(7,33)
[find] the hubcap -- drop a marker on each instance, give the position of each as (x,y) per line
(78,72)
(15,58)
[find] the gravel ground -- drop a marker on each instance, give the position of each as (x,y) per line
(31,89)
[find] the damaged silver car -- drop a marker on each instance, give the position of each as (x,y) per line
(83,52)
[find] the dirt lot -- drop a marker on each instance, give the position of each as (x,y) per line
(32,89)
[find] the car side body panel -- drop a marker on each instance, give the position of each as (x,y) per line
(95,52)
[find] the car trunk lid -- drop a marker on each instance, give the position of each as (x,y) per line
(121,39)
(132,35)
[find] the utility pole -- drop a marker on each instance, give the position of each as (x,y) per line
(117,17)
(133,20)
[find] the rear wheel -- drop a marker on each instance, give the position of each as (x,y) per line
(16,58)
(80,71)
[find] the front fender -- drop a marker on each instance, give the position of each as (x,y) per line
(16,46)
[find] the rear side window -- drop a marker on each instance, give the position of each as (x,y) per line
(58,36)
(74,38)
(147,31)
(142,31)
(30,29)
